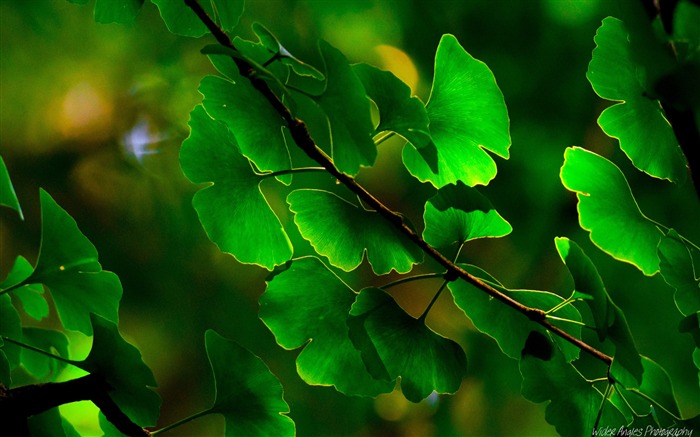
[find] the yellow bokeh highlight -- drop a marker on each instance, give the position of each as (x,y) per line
(398,62)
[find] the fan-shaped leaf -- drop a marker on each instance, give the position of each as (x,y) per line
(343,232)
(678,271)
(30,295)
(276,49)
(348,109)
(68,266)
(399,112)
(510,329)
(8,197)
(467,115)
(656,385)
(48,340)
(608,210)
(575,402)
(129,377)
(638,121)
(609,319)
(232,209)
(181,20)
(307,304)
(248,395)
(400,346)
(458,213)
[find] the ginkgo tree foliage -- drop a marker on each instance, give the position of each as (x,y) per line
(263,118)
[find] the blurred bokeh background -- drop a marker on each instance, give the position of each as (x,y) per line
(95,114)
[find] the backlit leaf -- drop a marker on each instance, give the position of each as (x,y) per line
(405,347)
(8,197)
(656,385)
(467,115)
(181,20)
(608,210)
(39,365)
(128,375)
(31,295)
(68,266)
(50,423)
(610,321)
(343,232)
(232,208)
(509,328)
(276,49)
(248,395)
(308,305)
(677,268)
(457,214)
(398,111)
(348,110)
(637,121)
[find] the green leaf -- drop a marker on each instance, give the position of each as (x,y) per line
(638,121)
(232,209)
(30,295)
(609,319)
(128,375)
(181,20)
(50,423)
(10,327)
(308,305)
(677,269)
(457,214)
(348,110)
(5,375)
(251,119)
(343,232)
(608,210)
(696,360)
(399,112)
(276,49)
(656,385)
(8,197)
(575,402)
(405,347)
(467,114)
(509,328)
(691,324)
(248,395)
(68,266)
(39,365)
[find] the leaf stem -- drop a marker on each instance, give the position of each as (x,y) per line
(575,322)
(653,401)
(12,287)
(37,350)
(291,171)
(602,404)
(181,422)
(412,278)
(432,302)
(383,138)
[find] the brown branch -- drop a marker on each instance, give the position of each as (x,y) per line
(18,404)
(304,141)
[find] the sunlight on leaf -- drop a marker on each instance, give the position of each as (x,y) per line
(457,214)
(50,423)
(405,347)
(38,365)
(610,321)
(181,20)
(678,271)
(343,232)
(248,395)
(308,305)
(467,115)
(608,210)
(232,209)
(638,121)
(8,197)
(68,266)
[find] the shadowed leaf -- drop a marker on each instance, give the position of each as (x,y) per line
(31,295)
(8,197)
(677,268)
(181,20)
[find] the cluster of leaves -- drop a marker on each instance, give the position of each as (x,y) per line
(362,342)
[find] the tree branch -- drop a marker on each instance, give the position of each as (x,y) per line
(18,404)
(304,141)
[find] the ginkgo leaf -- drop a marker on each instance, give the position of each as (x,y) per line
(348,110)
(308,305)
(610,321)
(399,112)
(510,329)
(677,269)
(248,395)
(68,266)
(637,121)
(343,232)
(608,210)
(691,324)
(10,327)
(128,375)
(181,20)
(457,214)
(277,50)
(405,347)
(50,423)
(656,386)
(31,295)
(254,123)
(467,115)
(39,365)
(575,402)
(8,197)
(232,209)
